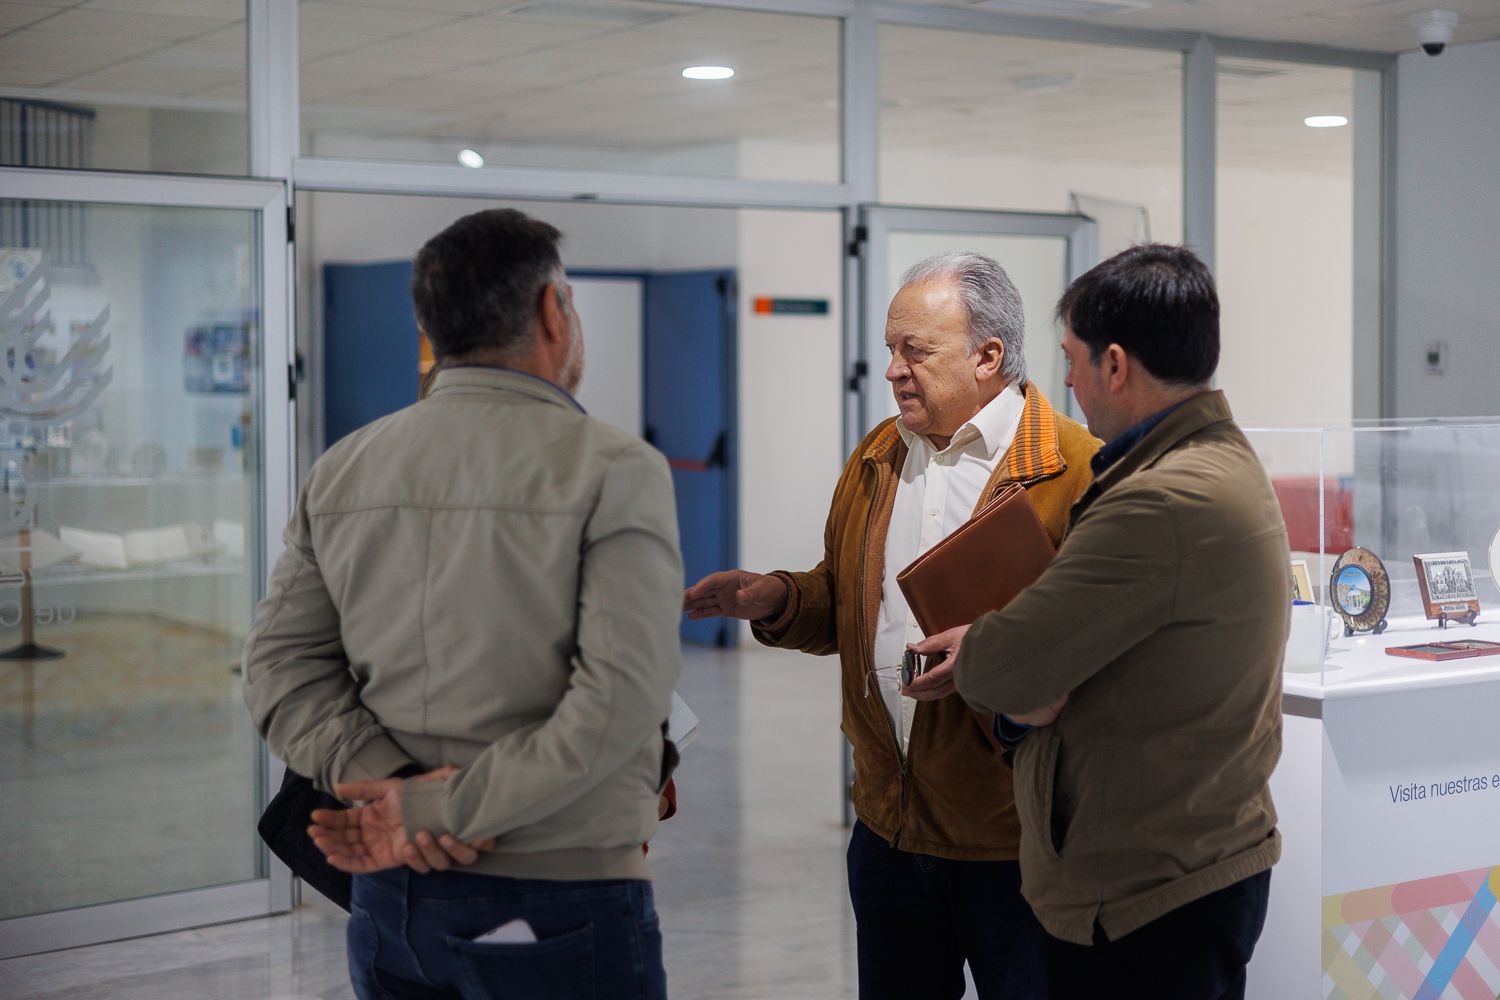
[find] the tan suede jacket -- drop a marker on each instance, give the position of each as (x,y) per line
(1163,618)
(952,796)
(491,579)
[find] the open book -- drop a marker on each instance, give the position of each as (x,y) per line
(42,549)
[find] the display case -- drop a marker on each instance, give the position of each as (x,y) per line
(1397,491)
(1388,788)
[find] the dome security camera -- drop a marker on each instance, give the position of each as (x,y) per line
(1434,29)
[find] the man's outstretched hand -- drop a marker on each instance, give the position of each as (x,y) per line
(736,593)
(370,837)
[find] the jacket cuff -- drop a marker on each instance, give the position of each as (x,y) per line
(1009,733)
(772,630)
(422,807)
(378,757)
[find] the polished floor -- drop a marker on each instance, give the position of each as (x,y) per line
(749,875)
(127,765)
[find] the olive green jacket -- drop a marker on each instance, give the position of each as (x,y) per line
(1163,619)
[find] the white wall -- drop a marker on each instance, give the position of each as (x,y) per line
(937,177)
(1448,230)
(610,311)
(1285,277)
(789,395)
(1284,260)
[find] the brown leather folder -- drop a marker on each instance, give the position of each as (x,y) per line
(980,567)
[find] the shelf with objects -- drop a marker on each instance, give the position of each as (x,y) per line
(1388,787)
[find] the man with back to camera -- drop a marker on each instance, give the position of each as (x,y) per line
(488,578)
(933,876)
(1148,659)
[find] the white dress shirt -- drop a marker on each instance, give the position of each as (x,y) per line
(938,492)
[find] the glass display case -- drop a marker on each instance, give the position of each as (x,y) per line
(1422,500)
(1387,791)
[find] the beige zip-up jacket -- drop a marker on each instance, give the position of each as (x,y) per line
(1164,619)
(489,578)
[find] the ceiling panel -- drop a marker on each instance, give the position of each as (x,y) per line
(226,10)
(84,24)
(17,15)
(147,80)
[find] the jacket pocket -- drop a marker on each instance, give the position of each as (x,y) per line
(559,968)
(1036,779)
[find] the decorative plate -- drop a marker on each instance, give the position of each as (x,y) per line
(1360,591)
(1495,559)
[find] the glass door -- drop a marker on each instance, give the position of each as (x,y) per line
(1041,252)
(145,459)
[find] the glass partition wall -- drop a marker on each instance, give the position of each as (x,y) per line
(143,457)
(143,507)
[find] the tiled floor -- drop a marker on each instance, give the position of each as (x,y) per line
(749,875)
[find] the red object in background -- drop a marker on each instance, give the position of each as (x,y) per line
(1299,508)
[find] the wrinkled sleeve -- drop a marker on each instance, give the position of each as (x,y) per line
(1112,584)
(301,695)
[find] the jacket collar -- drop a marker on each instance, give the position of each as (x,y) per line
(468,378)
(1033,455)
(1187,419)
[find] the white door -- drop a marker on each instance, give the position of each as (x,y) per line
(609,307)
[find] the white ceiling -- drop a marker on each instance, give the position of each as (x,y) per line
(607,73)
(1375,25)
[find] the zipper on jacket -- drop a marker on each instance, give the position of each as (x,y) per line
(902,758)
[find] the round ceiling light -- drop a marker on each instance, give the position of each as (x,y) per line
(708,72)
(1325,121)
(470,158)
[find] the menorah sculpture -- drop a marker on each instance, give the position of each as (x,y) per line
(38,391)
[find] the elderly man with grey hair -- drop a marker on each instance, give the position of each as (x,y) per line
(933,874)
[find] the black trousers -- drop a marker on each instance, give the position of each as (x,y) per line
(919,918)
(1196,952)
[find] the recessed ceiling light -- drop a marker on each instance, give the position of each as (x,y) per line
(708,72)
(1325,121)
(470,158)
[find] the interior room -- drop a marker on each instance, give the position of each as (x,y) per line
(209,211)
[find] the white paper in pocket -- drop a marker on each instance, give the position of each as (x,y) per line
(516,931)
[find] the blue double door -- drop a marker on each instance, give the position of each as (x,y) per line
(689,348)
(690,414)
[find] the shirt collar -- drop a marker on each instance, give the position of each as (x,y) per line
(1117,447)
(992,424)
(496,376)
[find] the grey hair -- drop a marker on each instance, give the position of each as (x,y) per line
(992,301)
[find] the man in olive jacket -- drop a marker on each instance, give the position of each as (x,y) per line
(1148,659)
(933,875)
(489,580)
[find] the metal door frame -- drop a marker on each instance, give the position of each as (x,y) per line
(864,344)
(272,891)
(876,225)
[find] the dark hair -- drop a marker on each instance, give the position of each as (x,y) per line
(476,284)
(1158,303)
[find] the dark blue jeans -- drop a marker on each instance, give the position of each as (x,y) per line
(412,936)
(919,918)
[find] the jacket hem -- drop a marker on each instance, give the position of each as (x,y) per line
(1119,919)
(1007,851)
